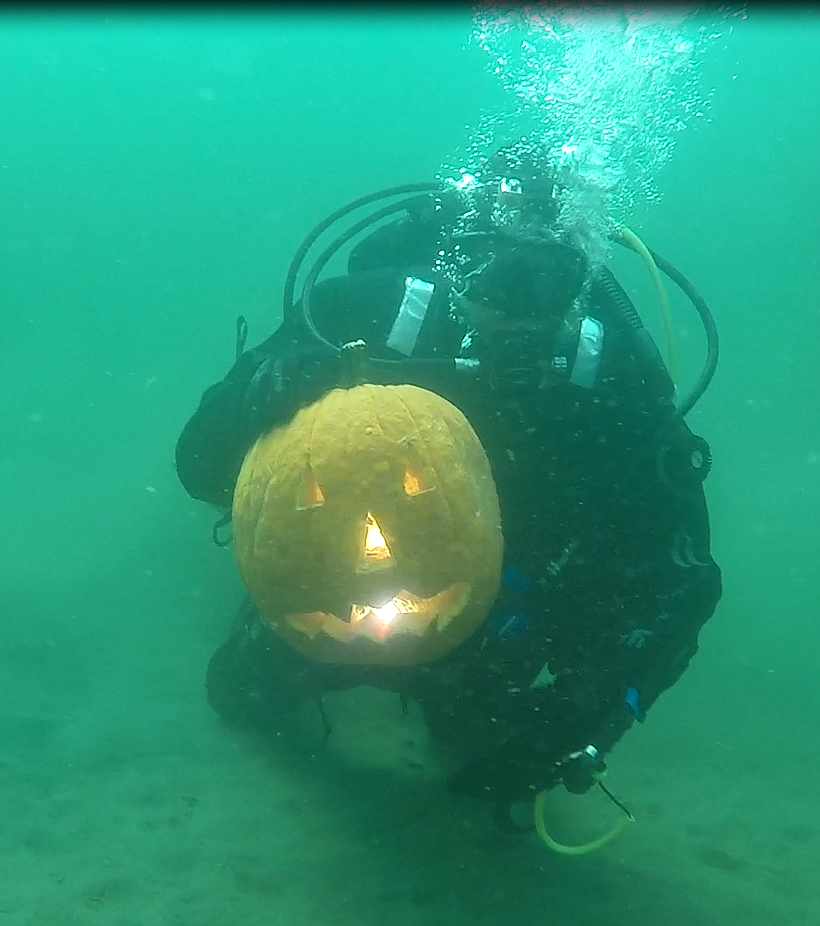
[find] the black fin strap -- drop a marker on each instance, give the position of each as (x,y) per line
(222,522)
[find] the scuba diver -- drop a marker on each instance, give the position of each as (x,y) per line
(608,576)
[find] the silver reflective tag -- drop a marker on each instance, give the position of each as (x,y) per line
(410,316)
(588,359)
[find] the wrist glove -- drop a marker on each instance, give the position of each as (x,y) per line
(286,381)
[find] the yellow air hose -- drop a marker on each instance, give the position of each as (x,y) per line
(582,848)
(631,240)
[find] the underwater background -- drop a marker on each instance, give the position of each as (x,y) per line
(157,173)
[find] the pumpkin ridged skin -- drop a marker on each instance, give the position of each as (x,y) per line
(355,442)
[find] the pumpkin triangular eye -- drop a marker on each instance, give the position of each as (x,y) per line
(375,552)
(310,494)
(417,477)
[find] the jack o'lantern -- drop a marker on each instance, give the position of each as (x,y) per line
(367,529)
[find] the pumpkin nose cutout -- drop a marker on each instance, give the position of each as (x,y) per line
(375,552)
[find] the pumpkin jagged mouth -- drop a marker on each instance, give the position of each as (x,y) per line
(404,613)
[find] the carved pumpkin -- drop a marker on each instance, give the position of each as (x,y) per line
(367,530)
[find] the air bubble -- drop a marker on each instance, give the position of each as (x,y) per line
(601,97)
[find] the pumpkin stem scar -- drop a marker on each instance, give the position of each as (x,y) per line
(374,413)
(355,362)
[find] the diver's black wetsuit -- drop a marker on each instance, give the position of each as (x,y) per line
(608,575)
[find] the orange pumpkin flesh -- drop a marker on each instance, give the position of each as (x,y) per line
(367,530)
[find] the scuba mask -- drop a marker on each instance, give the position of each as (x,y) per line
(527,282)
(517,301)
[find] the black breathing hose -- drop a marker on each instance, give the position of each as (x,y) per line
(709,328)
(323,259)
(305,246)
(628,316)
(406,366)
(607,281)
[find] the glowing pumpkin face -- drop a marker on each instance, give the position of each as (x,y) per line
(367,530)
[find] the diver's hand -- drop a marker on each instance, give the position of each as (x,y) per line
(579,776)
(284,382)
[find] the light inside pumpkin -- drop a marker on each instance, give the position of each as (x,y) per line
(376,554)
(405,613)
(388,612)
(382,617)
